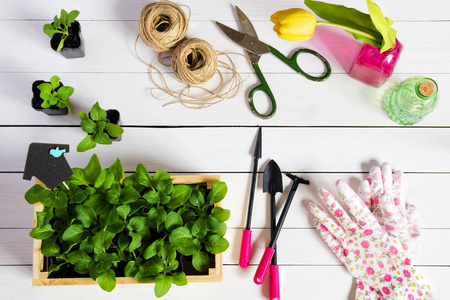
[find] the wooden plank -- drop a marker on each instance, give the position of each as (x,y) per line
(422,190)
(119,56)
(122,10)
(350,149)
(228,149)
(311,282)
(306,247)
(184,146)
(296,246)
(17,247)
(300,102)
(15,212)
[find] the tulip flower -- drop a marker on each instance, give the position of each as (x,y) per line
(296,24)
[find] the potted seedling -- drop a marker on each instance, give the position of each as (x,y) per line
(101,226)
(65,34)
(102,127)
(51,97)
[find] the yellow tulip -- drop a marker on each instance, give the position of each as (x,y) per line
(294,24)
(297,24)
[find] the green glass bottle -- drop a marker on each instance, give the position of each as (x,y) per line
(412,100)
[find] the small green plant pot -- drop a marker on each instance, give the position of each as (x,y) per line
(74,43)
(113,115)
(36,102)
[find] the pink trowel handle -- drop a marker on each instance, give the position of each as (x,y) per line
(274,291)
(261,272)
(244,258)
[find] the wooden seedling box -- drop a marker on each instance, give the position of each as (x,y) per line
(40,277)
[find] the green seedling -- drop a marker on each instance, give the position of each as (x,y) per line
(61,25)
(98,127)
(54,94)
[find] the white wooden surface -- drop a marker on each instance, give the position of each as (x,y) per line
(322,131)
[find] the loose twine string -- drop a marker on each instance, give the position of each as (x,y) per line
(163,27)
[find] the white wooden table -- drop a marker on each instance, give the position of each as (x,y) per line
(322,132)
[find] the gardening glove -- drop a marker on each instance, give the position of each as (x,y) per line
(381,181)
(371,254)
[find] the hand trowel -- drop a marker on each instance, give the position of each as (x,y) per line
(272,184)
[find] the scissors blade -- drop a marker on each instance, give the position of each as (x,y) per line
(248,42)
(246,24)
(247,27)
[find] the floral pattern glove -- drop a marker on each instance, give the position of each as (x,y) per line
(381,181)
(371,254)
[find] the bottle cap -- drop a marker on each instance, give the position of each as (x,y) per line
(426,88)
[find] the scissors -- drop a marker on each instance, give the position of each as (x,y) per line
(248,40)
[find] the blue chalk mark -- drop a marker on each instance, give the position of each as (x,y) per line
(57,152)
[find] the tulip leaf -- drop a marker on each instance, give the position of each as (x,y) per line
(349,17)
(383,26)
(374,24)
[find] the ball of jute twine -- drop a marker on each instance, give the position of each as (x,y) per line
(162,25)
(194,61)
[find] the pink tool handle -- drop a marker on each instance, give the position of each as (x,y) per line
(274,291)
(261,272)
(244,258)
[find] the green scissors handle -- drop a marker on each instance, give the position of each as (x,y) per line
(266,89)
(292,62)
